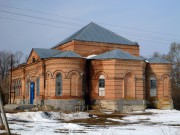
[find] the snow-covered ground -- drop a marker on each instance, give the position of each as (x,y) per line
(160,122)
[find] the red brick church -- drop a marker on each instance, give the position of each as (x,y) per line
(94,67)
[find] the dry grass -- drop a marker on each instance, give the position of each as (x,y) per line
(95,121)
(99,118)
(102,118)
(7,134)
(2,127)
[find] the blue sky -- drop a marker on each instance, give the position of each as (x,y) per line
(154,24)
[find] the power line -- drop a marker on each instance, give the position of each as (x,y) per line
(12,19)
(41,18)
(42,12)
(35,11)
(57,21)
(141,39)
(68,23)
(146,36)
(155,32)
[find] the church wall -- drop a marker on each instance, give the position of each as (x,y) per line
(66,47)
(115,72)
(70,67)
(137,69)
(27,74)
(85,48)
(32,72)
(17,85)
(106,68)
(162,74)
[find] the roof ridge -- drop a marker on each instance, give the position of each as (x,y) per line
(83,29)
(68,53)
(76,35)
(96,33)
(117,54)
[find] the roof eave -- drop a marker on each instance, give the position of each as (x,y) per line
(92,41)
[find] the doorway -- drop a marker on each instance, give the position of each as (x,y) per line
(32,84)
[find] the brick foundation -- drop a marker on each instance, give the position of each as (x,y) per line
(121,105)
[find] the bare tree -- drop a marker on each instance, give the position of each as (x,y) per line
(5,60)
(17,57)
(26,58)
(5,65)
(174,57)
(156,54)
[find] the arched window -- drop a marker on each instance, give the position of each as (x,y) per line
(27,88)
(166,86)
(153,87)
(74,85)
(37,86)
(101,85)
(48,84)
(58,84)
(129,86)
(15,88)
(13,85)
(18,87)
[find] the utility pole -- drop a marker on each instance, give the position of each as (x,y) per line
(1,122)
(10,89)
(4,116)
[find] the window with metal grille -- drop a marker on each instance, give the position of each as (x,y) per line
(153,87)
(37,87)
(101,85)
(58,84)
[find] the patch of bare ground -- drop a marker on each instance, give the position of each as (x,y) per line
(106,115)
(66,131)
(115,114)
(99,118)
(13,111)
(95,121)
(173,125)
(2,127)
(13,121)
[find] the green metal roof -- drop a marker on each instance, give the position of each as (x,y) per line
(52,53)
(95,33)
(46,53)
(117,54)
(67,54)
(157,60)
